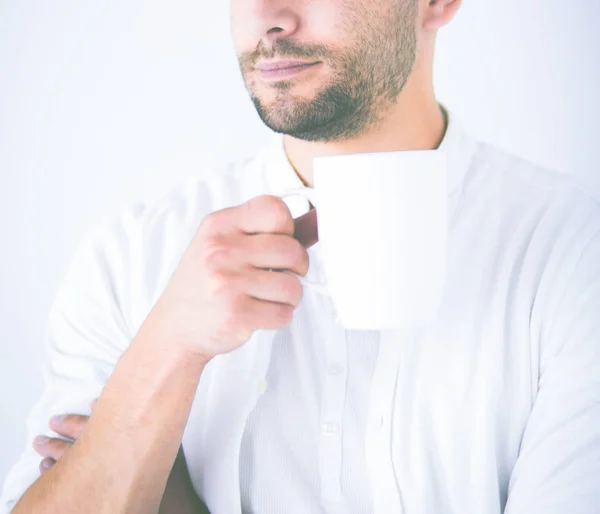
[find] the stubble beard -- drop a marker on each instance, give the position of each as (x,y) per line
(367,79)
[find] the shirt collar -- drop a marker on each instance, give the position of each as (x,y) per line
(457,143)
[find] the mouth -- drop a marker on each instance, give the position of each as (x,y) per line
(283,69)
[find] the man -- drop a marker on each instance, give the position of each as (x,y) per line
(215,374)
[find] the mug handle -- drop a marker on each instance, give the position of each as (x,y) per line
(309,194)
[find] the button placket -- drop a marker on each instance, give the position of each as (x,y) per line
(262,386)
(386,490)
(332,412)
(335,370)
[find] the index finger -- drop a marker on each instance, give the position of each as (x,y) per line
(69,425)
(265,214)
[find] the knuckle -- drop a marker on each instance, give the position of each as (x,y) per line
(282,219)
(69,423)
(294,254)
(283,314)
(298,292)
(293,288)
(216,253)
(300,257)
(265,202)
(210,222)
(278,212)
(66,419)
(223,286)
(255,205)
(79,421)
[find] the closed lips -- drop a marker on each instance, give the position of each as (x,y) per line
(283,65)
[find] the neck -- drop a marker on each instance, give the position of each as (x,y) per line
(415,122)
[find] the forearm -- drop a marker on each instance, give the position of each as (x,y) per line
(123,459)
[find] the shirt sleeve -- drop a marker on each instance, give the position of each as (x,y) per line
(85,335)
(558,468)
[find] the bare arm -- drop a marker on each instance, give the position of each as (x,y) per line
(123,459)
(217,297)
(179,497)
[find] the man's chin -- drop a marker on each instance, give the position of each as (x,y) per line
(281,119)
(283,128)
(310,121)
(305,132)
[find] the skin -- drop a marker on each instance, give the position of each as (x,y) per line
(71,426)
(179,497)
(371,91)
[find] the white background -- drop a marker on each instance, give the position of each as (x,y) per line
(105,103)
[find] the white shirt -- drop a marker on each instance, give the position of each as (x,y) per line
(493,408)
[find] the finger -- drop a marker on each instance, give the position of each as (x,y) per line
(306,228)
(93,404)
(265,213)
(266,315)
(273,287)
(46,464)
(69,425)
(276,251)
(51,446)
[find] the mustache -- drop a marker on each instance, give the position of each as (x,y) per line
(284,49)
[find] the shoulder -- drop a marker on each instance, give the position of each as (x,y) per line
(499,167)
(137,249)
(176,214)
(185,204)
(548,223)
(517,192)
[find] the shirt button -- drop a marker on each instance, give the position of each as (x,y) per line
(262,386)
(377,422)
(331,428)
(335,370)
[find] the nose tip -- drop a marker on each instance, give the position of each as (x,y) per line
(278,22)
(274,33)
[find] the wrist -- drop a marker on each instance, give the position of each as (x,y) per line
(157,333)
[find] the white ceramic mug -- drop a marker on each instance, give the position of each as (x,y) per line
(382,222)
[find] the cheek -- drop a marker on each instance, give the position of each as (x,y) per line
(241,33)
(338,24)
(324,19)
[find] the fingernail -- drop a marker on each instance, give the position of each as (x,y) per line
(48,463)
(57,420)
(41,439)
